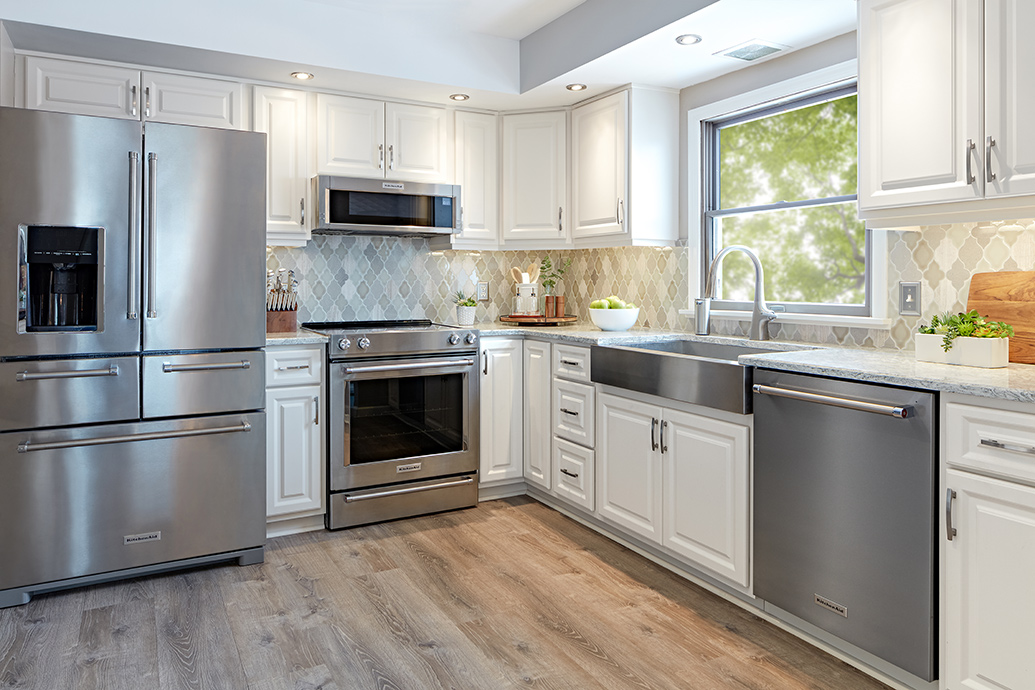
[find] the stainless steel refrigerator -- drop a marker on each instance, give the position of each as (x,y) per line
(132,430)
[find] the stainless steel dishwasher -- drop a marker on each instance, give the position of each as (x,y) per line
(844,511)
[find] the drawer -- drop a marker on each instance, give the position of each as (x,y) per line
(570,362)
(573,468)
(293,366)
(573,411)
(206,383)
(64,392)
(991,441)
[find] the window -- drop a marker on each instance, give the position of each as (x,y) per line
(781,180)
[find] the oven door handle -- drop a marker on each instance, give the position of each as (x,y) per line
(409,365)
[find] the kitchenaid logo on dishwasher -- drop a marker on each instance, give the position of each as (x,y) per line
(137,538)
(831,605)
(412,467)
(393,185)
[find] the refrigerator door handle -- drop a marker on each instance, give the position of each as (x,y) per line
(113,370)
(29,447)
(134,232)
(152,222)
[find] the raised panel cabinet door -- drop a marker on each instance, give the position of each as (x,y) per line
(920,97)
(350,135)
(537,428)
(501,410)
(283,115)
(180,100)
(294,469)
(477,174)
(629,465)
(574,468)
(1009,97)
(417,137)
(705,473)
(82,88)
(989,602)
(599,139)
(534,176)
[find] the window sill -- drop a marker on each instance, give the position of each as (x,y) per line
(808,319)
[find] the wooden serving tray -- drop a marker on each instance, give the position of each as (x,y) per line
(540,320)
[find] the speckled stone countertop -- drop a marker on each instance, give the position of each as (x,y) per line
(303,336)
(588,334)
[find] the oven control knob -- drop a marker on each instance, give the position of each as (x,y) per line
(344,344)
(453,338)
(470,339)
(363,343)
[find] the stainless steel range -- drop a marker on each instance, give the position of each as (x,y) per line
(403,411)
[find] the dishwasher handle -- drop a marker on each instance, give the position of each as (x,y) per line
(897,411)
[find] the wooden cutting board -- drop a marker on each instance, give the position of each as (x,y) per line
(1008,296)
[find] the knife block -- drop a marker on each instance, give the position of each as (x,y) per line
(281,321)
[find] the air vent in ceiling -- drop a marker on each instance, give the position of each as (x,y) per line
(752,50)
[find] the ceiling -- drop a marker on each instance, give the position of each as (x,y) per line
(507,54)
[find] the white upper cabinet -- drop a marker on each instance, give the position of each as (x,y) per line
(284,116)
(84,88)
(625,169)
(945,87)
(535,179)
(359,137)
(477,173)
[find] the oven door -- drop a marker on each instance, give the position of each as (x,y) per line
(402,420)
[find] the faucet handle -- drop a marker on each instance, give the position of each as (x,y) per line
(702,315)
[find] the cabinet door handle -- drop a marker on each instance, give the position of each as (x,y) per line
(380,156)
(301,204)
(970,155)
(573,413)
(950,531)
(485,356)
(653,433)
(316,409)
(1012,447)
(989,175)
(147,101)
(570,474)
(560,219)
(391,157)
(133,100)
(620,212)
(664,425)
(570,363)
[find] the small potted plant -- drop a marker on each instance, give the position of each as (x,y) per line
(965,338)
(465,307)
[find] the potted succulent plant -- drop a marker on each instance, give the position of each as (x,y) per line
(965,338)
(465,307)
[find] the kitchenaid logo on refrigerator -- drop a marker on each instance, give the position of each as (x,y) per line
(137,538)
(837,608)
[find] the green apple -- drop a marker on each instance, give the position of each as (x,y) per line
(599,304)
(630,305)
(615,303)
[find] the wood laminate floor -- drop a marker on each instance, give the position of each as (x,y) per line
(510,594)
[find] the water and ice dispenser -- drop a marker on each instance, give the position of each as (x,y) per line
(59,278)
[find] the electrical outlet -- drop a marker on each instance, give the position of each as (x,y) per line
(483,291)
(909,299)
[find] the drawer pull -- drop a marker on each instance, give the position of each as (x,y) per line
(1012,447)
(570,474)
(569,412)
(569,363)
(293,367)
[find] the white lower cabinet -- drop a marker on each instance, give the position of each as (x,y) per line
(501,410)
(537,428)
(989,603)
(573,411)
(573,468)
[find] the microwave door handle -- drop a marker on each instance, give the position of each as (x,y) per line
(152,222)
(134,233)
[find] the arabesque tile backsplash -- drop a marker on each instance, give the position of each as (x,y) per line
(343,278)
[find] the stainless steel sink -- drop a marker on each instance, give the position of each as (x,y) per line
(695,372)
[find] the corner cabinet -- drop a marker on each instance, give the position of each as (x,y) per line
(625,169)
(283,115)
(535,165)
(359,137)
(501,411)
(945,91)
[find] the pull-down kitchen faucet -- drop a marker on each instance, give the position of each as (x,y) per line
(760,313)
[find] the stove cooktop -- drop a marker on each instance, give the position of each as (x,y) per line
(393,337)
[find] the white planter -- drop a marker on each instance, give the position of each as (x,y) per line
(465,315)
(989,353)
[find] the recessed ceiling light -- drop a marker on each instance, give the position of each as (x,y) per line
(459,97)
(303,76)
(688,39)
(576,87)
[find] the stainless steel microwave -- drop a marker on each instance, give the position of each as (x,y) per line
(361,206)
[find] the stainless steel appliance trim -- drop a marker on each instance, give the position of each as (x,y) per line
(408,490)
(134,228)
(899,412)
(350,370)
(950,531)
(1012,447)
(178,368)
(112,370)
(152,235)
(28,447)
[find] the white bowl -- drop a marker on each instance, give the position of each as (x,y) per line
(614,319)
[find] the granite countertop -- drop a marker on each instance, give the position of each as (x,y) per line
(588,334)
(303,336)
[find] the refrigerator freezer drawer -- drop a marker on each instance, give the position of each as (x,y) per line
(176,385)
(77,502)
(36,394)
